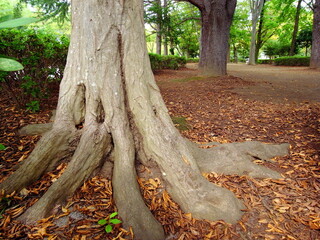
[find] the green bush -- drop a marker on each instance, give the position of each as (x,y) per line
(159,62)
(265,61)
(292,61)
(43,56)
(192,60)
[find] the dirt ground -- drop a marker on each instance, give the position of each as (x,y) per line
(277,83)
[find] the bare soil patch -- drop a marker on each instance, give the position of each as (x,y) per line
(275,83)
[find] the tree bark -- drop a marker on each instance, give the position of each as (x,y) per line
(315,50)
(259,34)
(159,29)
(256,8)
(108,87)
(216,19)
(295,29)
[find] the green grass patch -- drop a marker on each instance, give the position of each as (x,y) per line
(180,123)
(188,79)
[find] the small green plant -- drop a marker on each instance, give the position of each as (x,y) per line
(181,123)
(2,147)
(109,222)
(33,106)
(5,203)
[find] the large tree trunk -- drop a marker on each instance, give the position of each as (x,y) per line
(216,19)
(109,89)
(295,30)
(315,51)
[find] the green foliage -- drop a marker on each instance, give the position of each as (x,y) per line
(2,147)
(43,55)
(5,203)
(276,48)
(58,10)
(192,60)
(181,123)
(304,39)
(33,106)
(159,62)
(17,22)
(292,61)
(9,65)
(177,23)
(265,61)
(109,222)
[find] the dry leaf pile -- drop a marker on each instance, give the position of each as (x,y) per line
(287,208)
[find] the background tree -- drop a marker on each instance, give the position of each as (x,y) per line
(304,39)
(48,9)
(109,90)
(239,33)
(295,29)
(315,51)
(216,19)
(256,7)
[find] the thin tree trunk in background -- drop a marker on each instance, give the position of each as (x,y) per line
(159,29)
(235,53)
(256,8)
(315,50)
(295,30)
(165,35)
(259,34)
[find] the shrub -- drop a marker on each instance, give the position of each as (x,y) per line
(265,61)
(43,56)
(192,60)
(159,62)
(292,61)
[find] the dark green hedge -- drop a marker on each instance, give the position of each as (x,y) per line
(159,62)
(292,61)
(43,56)
(192,60)
(265,61)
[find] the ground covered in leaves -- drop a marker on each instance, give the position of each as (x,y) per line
(206,110)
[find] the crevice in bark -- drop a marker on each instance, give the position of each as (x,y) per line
(100,113)
(79,106)
(127,195)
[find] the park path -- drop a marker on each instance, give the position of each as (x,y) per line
(276,83)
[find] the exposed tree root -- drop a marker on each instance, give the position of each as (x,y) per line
(126,190)
(236,158)
(81,166)
(52,147)
(35,129)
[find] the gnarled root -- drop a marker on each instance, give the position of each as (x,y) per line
(236,158)
(52,147)
(95,144)
(126,190)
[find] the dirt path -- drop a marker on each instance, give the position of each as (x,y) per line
(275,83)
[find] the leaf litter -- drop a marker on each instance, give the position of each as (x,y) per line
(286,208)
